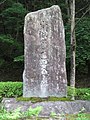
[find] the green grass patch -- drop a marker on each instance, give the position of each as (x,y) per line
(38,99)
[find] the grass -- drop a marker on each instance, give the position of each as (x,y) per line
(82,116)
(38,99)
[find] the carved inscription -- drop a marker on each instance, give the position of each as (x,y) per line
(43,57)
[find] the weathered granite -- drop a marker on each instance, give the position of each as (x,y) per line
(59,107)
(44,72)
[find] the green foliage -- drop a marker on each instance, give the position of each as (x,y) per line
(79,116)
(82,116)
(9,49)
(53,114)
(5,115)
(12,13)
(82,48)
(58,117)
(16,9)
(19,58)
(13,19)
(83,41)
(7,39)
(33,111)
(10,89)
(14,89)
(83,93)
(70,90)
(16,114)
(80,93)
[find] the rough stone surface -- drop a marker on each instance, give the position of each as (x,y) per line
(59,107)
(45,73)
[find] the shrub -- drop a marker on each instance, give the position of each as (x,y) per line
(14,89)
(70,91)
(11,89)
(80,93)
(83,93)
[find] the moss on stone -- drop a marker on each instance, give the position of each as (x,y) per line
(38,99)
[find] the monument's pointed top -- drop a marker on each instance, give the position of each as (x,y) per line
(45,9)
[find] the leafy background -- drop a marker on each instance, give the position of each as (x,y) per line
(12,13)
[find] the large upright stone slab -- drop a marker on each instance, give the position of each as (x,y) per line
(44,73)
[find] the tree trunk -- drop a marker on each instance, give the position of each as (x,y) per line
(73,49)
(68,10)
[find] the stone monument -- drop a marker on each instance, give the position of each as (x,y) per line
(44,69)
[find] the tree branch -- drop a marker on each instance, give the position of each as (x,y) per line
(82,17)
(81,9)
(2,2)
